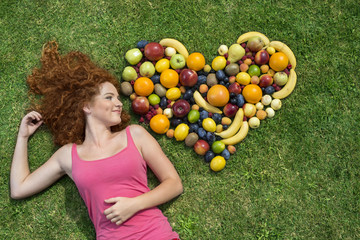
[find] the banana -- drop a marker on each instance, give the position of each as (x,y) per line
(288,88)
(282,47)
(204,104)
(239,136)
(235,126)
(246,36)
(180,48)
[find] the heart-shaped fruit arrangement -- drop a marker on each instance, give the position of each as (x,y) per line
(210,108)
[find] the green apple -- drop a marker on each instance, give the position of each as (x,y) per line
(177,61)
(129,74)
(133,56)
(193,116)
(147,69)
(280,78)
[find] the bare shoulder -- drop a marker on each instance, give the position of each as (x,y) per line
(139,133)
(63,157)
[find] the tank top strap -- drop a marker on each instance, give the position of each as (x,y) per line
(130,141)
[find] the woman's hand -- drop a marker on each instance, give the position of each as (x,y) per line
(30,123)
(123,209)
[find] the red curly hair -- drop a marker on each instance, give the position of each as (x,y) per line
(65,84)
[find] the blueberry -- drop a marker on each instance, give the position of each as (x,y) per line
(202,133)
(220,75)
(226,79)
(210,137)
(204,114)
(232,95)
(194,127)
(269,90)
(163,103)
(155,78)
(141,44)
(222,83)
(209,155)
(227,85)
(201,79)
(188,94)
(216,117)
(225,126)
(233,101)
(240,100)
(226,154)
(175,122)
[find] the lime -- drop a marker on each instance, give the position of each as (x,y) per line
(154,99)
(217,147)
(181,132)
(209,124)
(217,163)
(193,116)
(254,70)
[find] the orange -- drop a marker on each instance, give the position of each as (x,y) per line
(159,123)
(252,93)
(143,86)
(169,78)
(195,61)
(278,61)
(218,95)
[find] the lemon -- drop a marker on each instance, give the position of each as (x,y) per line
(243,78)
(173,93)
(219,63)
(162,65)
(181,132)
(209,124)
(217,163)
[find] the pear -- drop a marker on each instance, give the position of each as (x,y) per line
(255,44)
(236,52)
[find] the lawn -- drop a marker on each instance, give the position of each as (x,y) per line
(295,177)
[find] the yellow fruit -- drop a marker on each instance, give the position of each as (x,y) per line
(173,93)
(243,78)
(181,132)
(217,163)
(270,50)
(159,124)
(219,63)
(209,124)
(162,65)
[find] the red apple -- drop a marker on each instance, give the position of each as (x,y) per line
(154,51)
(234,88)
(265,80)
(261,57)
(181,108)
(188,77)
(230,110)
(140,105)
(201,147)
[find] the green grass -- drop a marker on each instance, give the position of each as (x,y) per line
(296,177)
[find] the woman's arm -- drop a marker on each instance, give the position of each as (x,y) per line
(22,182)
(170,183)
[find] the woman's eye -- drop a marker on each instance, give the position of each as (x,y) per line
(109,97)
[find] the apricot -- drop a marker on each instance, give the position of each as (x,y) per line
(261,114)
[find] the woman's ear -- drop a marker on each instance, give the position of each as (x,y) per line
(86,108)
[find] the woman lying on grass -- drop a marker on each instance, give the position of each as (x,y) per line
(105,158)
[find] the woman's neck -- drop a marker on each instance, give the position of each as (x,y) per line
(97,135)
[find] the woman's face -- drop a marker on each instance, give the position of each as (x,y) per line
(106,106)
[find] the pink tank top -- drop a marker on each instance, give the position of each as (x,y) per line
(121,175)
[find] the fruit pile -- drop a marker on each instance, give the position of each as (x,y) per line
(209,107)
